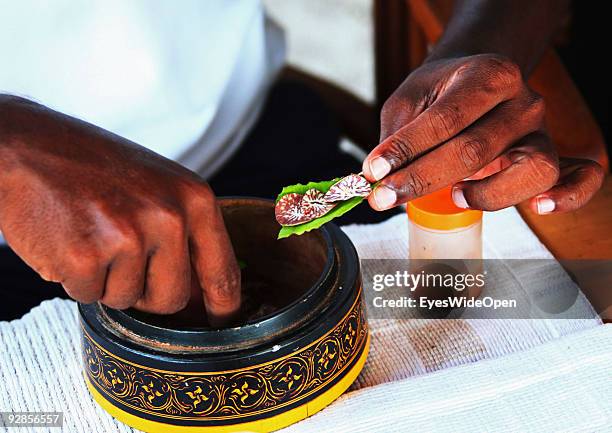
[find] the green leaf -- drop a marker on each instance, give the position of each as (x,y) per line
(298,188)
(324,186)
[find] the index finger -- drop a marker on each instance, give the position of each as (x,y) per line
(215,265)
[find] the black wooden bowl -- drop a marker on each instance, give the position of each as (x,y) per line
(303,339)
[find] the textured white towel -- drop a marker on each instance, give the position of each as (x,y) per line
(557,384)
(561,386)
(403,348)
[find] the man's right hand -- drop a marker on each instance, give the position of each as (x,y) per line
(108,219)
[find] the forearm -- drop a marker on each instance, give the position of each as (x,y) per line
(8,140)
(16,118)
(518,29)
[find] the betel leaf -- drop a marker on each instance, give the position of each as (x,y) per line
(298,188)
(323,186)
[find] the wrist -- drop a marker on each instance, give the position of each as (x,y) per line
(10,106)
(520,30)
(456,51)
(14,127)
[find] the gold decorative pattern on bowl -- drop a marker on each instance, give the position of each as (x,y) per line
(232,394)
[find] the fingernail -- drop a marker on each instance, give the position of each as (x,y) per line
(384,197)
(379,167)
(459,198)
(545,205)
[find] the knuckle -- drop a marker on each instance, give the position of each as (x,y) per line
(544,169)
(394,106)
(444,121)
(389,109)
(501,66)
(467,68)
(80,264)
(401,149)
(471,153)
(414,185)
(396,113)
(499,72)
(200,197)
(127,241)
(171,220)
(510,70)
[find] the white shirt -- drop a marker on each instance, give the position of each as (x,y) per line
(184,78)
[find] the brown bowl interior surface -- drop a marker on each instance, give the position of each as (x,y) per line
(277,272)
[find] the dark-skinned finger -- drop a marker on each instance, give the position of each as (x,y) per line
(82,275)
(167,285)
(533,169)
(212,257)
(457,107)
(125,280)
(579,181)
(462,156)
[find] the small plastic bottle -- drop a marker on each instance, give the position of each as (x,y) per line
(440,230)
(444,238)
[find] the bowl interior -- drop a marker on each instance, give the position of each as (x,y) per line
(276,273)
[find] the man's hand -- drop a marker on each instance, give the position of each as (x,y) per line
(452,118)
(109,219)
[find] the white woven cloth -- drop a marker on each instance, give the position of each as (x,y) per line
(561,386)
(403,348)
(421,375)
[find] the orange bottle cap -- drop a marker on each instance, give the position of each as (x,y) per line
(438,212)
